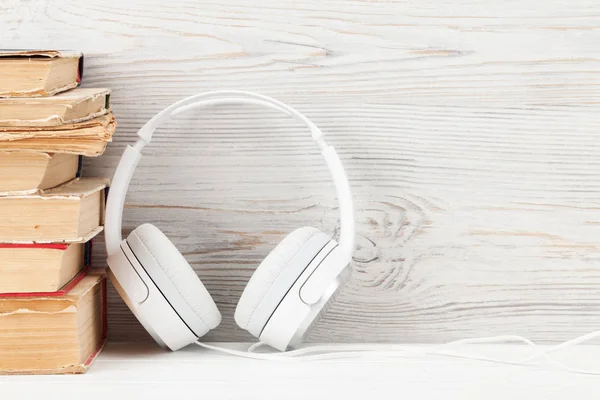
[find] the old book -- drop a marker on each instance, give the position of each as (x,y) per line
(41,267)
(88,138)
(33,73)
(57,333)
(66,213)
(30,172)
(77,105)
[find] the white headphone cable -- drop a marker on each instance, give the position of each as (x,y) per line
(332,352)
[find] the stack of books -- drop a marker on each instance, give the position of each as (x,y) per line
(52,302)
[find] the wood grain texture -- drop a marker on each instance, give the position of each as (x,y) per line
(470,133)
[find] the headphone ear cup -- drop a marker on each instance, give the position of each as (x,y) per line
(175,279)
(275,276)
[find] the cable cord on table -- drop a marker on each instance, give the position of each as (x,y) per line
(344,351)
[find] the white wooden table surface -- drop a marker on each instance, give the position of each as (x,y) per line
(130,371)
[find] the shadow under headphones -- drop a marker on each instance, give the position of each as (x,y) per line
(285,296)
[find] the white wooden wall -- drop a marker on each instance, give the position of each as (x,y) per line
(470,131)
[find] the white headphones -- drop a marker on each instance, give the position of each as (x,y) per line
(285,295)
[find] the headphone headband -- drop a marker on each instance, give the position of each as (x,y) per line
(132,155)
(225,96)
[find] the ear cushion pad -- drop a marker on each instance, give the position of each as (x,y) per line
(303,243)
(147,240)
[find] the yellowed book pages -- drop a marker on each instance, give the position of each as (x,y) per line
(67,213)
(35,73)
(77,105)
(75,130)
(60,334)
(42,267)
(30,172)
(87,138)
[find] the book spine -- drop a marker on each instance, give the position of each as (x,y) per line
(79,166)
(87,254)
(80,70)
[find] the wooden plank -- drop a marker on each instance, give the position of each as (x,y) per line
(470,134)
